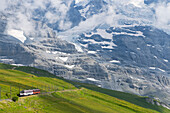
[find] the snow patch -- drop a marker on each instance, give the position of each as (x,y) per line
(92,79)
(165,60)
(83,11)
(110,44)
(155,57)
(99,85)
(152,68)
(157,69)
(78,1)
(166,106)
(104,34)
(161,70)
(17,64)
(78,48)
(54,52)
(148,45)
(115,61)
(138,48)
(69,66)
(133,53)
(92,52)
(17,34)
(7,60)
(84,45)
(107,47)
(137,3)
(63,58)
(138,33)
(57,52)
(48,51)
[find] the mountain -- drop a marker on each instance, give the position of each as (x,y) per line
(117,45)
(60,95)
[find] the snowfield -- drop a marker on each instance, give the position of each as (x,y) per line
(17,34)
(115,61)
(92,79)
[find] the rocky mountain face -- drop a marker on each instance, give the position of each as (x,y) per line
(120,53)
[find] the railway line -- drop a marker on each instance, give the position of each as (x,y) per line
(44,93)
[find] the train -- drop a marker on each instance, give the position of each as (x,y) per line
(29,92)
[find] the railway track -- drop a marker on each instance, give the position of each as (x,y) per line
(44,93)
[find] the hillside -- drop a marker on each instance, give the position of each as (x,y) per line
(75,98)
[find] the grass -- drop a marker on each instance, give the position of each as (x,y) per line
(80,101)
(17,81)
(135,99)
(90,99)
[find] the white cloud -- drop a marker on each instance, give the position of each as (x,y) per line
(21,22)
(163,14)
(137,3)
(3,5)
(64,25)
(85,26)
(22,18)
(52,18)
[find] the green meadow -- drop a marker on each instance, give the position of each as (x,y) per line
(64,96)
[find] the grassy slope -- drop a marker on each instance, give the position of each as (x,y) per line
(20,80)
(135,99)
(99,100)
(84,100)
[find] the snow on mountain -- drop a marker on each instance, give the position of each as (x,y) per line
(78,1)
(115,61)
(92,52)
(165,60)
(92,79)
(102,33)
(69,66)
(137,3)
(37,17)
(17,34)
(64,58)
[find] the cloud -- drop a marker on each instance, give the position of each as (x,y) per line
(65,25)
(84,26)
(137,3)
(55,11)
(20,22)
(3,5)
(163,16)
(22,17)
(108,18)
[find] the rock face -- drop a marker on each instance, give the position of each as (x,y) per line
(133,60)
(131,57)
(136,59)
(156,102)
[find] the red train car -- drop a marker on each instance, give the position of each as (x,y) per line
(29,92)
(36,91)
